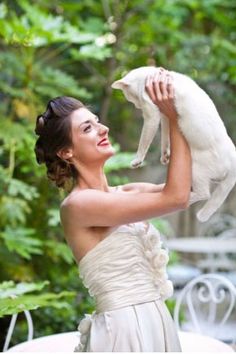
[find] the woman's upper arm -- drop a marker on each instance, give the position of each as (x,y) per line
(142,187)
(98,208)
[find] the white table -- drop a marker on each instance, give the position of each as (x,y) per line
(66,342)
(208,246)
(201,245)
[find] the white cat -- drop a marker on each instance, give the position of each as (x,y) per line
(213,152)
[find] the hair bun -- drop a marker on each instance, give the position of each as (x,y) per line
(54,129)
(40,124)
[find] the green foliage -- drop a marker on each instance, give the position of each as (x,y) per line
(163,226)
(14,300)
(170,303)
(119,160)
(10,289)
(19,241)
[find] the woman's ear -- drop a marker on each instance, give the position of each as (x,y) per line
(65,154)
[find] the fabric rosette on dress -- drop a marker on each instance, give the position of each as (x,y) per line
(158,258)
(84,330)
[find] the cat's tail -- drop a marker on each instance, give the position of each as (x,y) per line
(219,195)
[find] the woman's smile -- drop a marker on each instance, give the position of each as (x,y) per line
(104,142)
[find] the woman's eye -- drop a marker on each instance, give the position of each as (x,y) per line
(89,126)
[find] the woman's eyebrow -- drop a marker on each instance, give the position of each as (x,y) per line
(86,121)
(89,121)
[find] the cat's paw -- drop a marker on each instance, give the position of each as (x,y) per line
(136,163)
(165,157)
(203,216)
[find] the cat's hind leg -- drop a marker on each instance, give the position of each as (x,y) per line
(200,182)
(218,196)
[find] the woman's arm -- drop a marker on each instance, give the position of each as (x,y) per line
(179,175)
(92,207)
(142,187)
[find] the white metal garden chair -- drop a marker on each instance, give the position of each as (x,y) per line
(209,302)
(12,326)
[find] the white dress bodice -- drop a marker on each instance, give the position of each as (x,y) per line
(127,267)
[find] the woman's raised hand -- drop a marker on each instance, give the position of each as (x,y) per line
(161,91)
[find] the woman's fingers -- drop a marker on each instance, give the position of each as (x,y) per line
(150,89)
(156,87)
(163,75)
(160,86)
(170,88)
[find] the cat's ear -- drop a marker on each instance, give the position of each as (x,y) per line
(120,84)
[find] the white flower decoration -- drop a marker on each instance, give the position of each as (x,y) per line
(161,259)
(166,289)
(149,254)
(158,259)
(84,329)
(85,324)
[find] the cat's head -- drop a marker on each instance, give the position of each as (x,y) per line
(130,87)
(133,85)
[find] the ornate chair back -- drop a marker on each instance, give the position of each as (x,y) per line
(209,301)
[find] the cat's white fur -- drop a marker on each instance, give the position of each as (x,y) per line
(213,152)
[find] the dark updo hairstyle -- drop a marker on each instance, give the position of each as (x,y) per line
(54,130)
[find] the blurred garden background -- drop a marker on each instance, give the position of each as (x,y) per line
(78,48)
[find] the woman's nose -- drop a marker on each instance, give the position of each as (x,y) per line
(103,129)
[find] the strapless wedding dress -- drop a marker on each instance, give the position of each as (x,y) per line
(126,275)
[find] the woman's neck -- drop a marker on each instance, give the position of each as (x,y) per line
(92,179)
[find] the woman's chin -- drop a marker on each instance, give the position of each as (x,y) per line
(108,150)
(110,153)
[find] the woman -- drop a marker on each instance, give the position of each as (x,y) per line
(119,255)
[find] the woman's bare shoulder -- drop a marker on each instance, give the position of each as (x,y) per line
(74,196)
(67,200)
(72,203)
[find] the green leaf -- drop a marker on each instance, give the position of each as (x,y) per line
(59,251)
(17,187)
(10,289)
(11,132)
(11,306)
(91,51)
(13,210)
(54,217)
(54,82)
(19,241)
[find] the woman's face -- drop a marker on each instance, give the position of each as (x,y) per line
(90,138)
